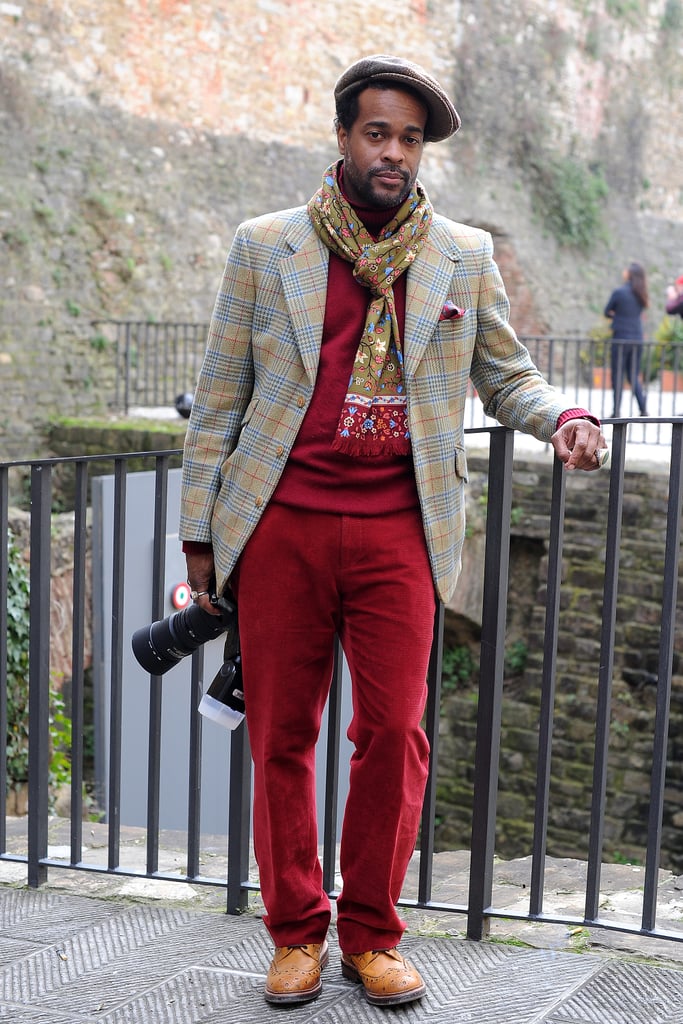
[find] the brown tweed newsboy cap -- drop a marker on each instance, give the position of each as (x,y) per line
(443,117)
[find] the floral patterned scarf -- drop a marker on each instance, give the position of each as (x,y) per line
(373,418)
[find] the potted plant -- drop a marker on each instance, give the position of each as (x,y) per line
(595,359)
(667,355)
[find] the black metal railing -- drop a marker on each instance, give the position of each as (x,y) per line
(154,362)
(157,362)
(479,907)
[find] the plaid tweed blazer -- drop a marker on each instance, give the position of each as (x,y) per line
(260,367)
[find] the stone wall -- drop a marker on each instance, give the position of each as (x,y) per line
(135,136)
(578,662)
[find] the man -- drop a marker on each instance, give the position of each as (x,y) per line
(323,483)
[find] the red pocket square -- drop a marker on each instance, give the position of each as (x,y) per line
(450,311)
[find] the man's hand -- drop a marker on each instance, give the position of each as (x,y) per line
(202,579)
(578,444)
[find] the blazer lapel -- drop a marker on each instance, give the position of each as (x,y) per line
(304,285)
(431,280)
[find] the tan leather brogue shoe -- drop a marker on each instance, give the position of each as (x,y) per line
(294,974)
(387,978)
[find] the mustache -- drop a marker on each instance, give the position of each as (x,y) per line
(375,171)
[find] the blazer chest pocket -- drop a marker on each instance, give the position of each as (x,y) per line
(249,412)
(461,464)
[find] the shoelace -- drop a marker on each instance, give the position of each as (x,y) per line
(302,947)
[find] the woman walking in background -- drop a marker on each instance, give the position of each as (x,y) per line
(625,310)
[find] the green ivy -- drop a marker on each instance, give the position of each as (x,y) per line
(17,667)
(630,10)
(458,669)
(99,343)
(672,18)
(60,742)
(569,197)
(18,686)
(516,658)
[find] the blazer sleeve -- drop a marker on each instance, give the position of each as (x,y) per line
(222,395)
(509,384)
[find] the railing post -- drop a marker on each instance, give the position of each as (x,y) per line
(116,667)
(78,660)
(432,715)
(666,650)
(496,566)
(155,689)
(545,730)
(39,674)
(195,764)
(4,629)
(607,640)
(127,371)
(239,808)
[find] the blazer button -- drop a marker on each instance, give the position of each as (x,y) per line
(258,501)
(300,401)
(280,449)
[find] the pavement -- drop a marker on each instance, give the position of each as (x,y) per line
(91,948)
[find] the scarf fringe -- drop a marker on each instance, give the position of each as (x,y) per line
(371,446)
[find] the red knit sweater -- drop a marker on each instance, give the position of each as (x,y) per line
(316,477)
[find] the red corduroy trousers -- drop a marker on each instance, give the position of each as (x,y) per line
(303,577)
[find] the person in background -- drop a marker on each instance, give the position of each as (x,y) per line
(323,484)
(625,309)
(674,298)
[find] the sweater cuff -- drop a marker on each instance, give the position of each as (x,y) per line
(196,547)
(576,414)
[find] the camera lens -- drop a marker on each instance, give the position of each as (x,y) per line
(163,644)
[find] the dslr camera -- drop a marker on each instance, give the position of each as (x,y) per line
(161,645)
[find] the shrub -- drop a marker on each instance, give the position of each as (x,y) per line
(672,18)
(668,350)
(458,669)
(569,198)
(598,350)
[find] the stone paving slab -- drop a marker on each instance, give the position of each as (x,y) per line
(98,948)
(74,959)
(621,892)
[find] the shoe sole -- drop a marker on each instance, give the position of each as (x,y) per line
(294,998)
(392,999)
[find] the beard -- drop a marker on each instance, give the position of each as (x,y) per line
(371,194)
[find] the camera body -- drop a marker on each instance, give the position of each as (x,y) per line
(161,645)
(223,702)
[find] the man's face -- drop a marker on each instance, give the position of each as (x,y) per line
(383,148)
